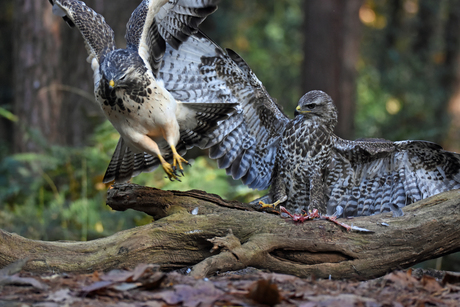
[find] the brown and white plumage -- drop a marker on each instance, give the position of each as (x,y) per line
(150,120)
(303,162)
(352,178)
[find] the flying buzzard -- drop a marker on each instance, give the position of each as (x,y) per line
(303,162)
(154,126)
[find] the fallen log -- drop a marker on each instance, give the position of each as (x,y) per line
(202,231)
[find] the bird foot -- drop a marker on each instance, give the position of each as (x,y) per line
(273,206)
(314,214)
(177,161)
(169,170)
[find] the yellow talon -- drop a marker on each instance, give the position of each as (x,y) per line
(264,205)
(167,168)
(177,160)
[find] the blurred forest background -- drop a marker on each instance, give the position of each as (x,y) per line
(391,67)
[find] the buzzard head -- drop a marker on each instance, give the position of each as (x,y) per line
(122,69)
(317,105)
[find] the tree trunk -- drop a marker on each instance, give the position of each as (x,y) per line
(452,75)
(189,226)
(6,66)
(53,82)
(331,49)
(36,65)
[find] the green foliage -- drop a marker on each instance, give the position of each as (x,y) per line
(267,35)
(8,115)
(59,194)
(405,70)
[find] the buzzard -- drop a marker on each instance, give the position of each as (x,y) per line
(302,161)
(154,126)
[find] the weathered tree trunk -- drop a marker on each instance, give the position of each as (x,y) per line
(452,75)
(331,48)
(188,224)
(36,66)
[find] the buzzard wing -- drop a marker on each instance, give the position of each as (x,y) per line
(372,176)
(246,143)
(157,22)
(99,37)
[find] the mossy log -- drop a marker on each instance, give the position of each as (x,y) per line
(202,231)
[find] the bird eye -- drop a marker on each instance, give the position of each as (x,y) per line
(122,78)
(310,106)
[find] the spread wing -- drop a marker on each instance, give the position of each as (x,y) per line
(246,143)
(97,34)
(373,176)
(157,22)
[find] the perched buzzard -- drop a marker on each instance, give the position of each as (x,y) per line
(303,162)
(153,125)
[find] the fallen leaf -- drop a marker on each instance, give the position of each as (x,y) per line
(401,279)
(118,276)
(60,296)
(264,292)
(202,293)
(27,281)
(276,277)
(430,284)
(153,281)
(97,286)
(141,269)
(125,286)
(14,267)
(95,276)
(451,278)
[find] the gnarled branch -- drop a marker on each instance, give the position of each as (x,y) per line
(177,238)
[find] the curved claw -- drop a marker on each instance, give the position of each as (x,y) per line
(264,205)
(180,170)
(169,171)
(177,161)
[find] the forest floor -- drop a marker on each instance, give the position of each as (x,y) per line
(147,286)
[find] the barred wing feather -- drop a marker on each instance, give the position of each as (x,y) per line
(370,177)
(246,143)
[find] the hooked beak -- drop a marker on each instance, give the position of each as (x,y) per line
(301,112)
(112,83)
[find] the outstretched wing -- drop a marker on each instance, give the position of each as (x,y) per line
(155,22)
(374,176)
(98,36)
(246,143)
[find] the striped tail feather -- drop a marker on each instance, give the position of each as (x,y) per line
(126,164)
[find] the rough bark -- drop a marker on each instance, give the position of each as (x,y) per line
(191,226)
(36,66)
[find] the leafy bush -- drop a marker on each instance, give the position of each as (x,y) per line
(59,194)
